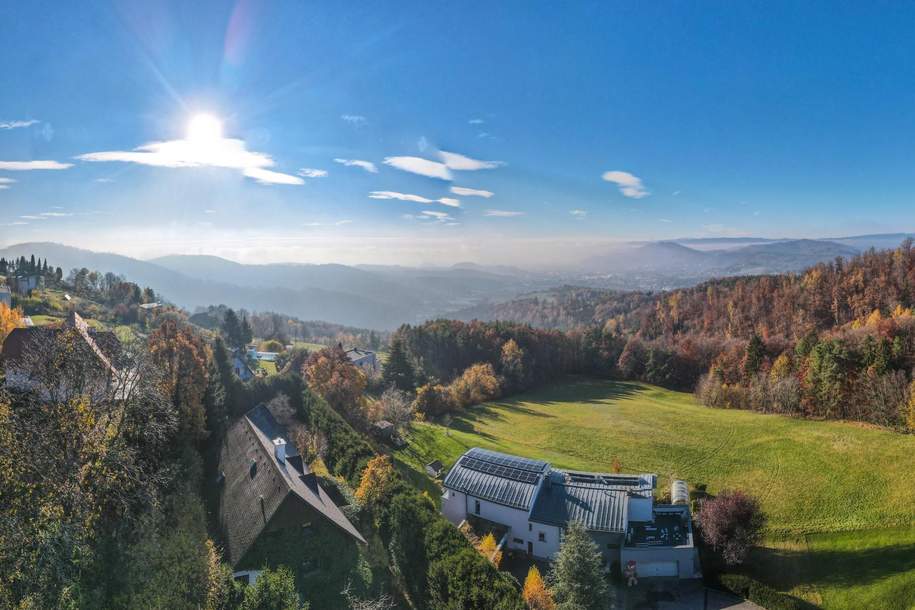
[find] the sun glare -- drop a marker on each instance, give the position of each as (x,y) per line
(204,128)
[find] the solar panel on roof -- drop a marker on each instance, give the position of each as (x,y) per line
(501,471)
(506,460)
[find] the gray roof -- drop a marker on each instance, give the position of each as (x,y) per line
(256,484)
(600,508)
(497,477)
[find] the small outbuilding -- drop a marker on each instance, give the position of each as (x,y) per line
(434,469)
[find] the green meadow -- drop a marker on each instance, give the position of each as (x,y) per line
(839,497)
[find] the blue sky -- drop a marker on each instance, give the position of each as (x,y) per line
(586,123)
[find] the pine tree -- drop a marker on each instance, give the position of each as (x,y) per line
(231,329)
(397,370)
(247,335)
(577,576)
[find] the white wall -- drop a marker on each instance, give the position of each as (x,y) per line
(685,556)
(454,506)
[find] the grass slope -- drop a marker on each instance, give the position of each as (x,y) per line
(814,478)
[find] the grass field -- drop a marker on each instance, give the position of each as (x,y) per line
(840,497)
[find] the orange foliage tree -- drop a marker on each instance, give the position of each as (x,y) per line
(182,356)
(478,383)
(535,593)
(376,480)
(335,378)
(9,319)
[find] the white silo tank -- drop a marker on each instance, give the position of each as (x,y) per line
(679,492)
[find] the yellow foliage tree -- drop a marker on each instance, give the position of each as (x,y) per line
(781,368)
(488,547)
(478,383)
(376,480)
(9,319)
(535,593)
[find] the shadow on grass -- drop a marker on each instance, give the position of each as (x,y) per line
(789,568)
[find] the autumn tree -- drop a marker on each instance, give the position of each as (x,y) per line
(433,399)
(183,358)
(731,523)
(577,576)
(478,383)
(512,365)
(332,375)
(396,407)
(377,480)
(535,593)
(10,318)
(489,548)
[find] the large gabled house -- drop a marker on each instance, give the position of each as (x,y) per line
(536,503)
(365,359)
(270,503)
(30,355)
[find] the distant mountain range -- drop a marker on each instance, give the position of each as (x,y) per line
(383,297)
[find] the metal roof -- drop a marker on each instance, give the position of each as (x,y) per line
(600,508)
(496,477)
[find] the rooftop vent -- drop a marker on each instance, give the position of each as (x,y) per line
(279,448)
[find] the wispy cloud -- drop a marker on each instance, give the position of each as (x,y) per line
(336,223)
(578,213)
(466,164)
(502,213)
(24,166)
(720,229)
(17,223)
(209,211)
(356,120)
(366,165)
(17,124)
(476,121)
(310,172)
(56,214)
(468,192)
(418,165)
(32,217)
(441,170)
(665,220)
(104,180)
(219,152)
(5,182)
(454,203)
(345,221)
(629,185)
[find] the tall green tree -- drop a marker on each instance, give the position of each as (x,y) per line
(398,371)
(273,590)
(231,329)
(577,577)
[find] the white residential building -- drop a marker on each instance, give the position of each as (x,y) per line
(537,502)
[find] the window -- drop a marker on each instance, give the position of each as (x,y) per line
(541,536)
(530,527)
(517,541)
(476,506)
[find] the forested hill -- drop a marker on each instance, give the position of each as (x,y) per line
(786,306)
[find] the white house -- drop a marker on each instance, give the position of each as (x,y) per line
(537,502)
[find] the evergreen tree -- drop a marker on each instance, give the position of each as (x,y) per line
(246,334)
(231,329)
(32,264)
(753,357)
(397,370)
(577,577)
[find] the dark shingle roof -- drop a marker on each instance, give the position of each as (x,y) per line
(496,477)
(256,484)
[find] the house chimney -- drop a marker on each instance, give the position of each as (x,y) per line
(279,447)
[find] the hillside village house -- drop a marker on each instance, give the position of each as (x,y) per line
(240,366)
(364,359)
(537,502)
(26,352)
(271,504)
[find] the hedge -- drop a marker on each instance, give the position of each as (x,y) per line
(759,593)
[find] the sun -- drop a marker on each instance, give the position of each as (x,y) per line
(204,128)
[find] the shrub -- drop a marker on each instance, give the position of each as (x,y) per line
(731,524)
(761,594)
